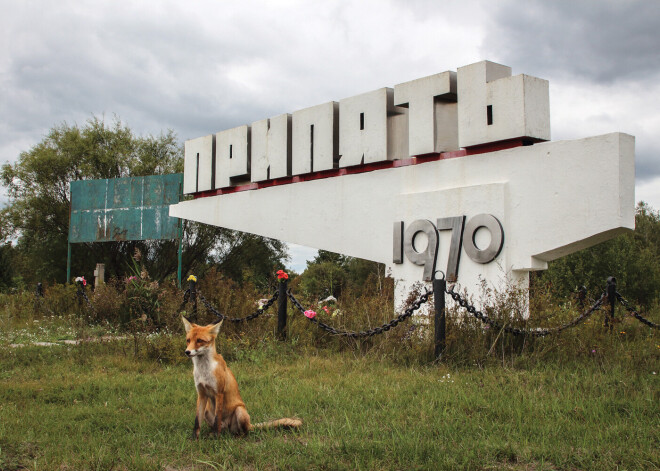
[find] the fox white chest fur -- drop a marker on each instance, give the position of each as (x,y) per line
(203,372)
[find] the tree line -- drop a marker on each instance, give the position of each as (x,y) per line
(34,228)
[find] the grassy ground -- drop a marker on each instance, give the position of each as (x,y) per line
(98,406)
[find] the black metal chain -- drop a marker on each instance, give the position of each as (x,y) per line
(515,331)
(636,314)
(221,316)
(365,333)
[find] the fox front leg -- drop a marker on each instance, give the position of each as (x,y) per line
(199,415)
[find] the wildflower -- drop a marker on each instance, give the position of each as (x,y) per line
(325,308)
(192,278)
(622,332)
(593,351)
(310,314)
(282,275)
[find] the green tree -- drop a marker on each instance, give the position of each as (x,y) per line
(38,213)
(323,279)
(248,257)
(633,258)
(330,273)
(38,187)
(6,267)
(324,256)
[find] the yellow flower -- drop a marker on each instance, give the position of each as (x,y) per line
(192,278)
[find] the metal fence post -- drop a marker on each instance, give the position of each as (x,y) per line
(611,296)
(38,295)
(79,293)
(582,296)
(439,287)
(192,285)
(281,309)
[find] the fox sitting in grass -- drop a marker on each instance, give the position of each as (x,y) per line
(218,399)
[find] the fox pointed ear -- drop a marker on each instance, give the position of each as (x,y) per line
(186,324)
(216,328)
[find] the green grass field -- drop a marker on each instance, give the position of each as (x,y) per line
(98,406)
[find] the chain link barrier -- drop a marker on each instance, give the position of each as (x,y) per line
(635,314)
(365,333)
(221,316)
(416,305)
(516,331)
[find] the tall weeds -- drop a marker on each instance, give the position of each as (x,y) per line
(149,313)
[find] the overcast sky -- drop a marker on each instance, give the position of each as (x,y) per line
(198,67)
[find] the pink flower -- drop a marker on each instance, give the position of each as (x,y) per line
(310,314)
(593,351)
(282,275)
(325,308)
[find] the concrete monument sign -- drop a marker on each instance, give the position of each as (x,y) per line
(452,172)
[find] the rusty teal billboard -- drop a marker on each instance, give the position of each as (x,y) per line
(119,209)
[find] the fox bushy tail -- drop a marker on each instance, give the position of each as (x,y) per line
(284,423)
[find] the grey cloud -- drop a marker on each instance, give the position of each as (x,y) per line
(205,68)
(179,68)
(118,73)
(647,162)
(601,41)
(609,47)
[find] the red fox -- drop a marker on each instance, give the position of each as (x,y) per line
(218,399)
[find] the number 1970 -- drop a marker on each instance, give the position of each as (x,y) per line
(404,242)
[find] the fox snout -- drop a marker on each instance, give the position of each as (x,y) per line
(194,352)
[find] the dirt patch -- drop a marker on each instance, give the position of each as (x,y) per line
(60,343)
